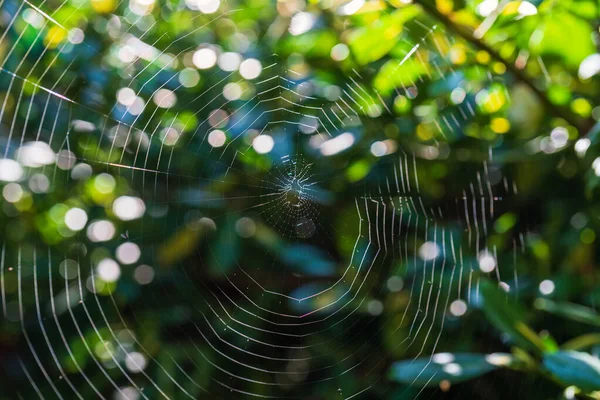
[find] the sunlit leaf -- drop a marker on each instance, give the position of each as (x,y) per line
(566,37)
(372,42)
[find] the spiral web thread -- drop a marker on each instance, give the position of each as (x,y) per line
(245,329)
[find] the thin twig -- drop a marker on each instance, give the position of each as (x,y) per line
(583,126)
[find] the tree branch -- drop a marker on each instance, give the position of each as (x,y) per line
(583,126)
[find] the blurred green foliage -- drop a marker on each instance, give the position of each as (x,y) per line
(458,83)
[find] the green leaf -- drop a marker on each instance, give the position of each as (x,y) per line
(571,311)
(574,368)
(453,367)
(312,44)
(566,37)
(508,317)
(372,42)
(582,342)
(392,75)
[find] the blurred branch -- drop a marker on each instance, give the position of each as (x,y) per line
(583,126)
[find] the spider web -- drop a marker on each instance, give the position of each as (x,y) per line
(179,203)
